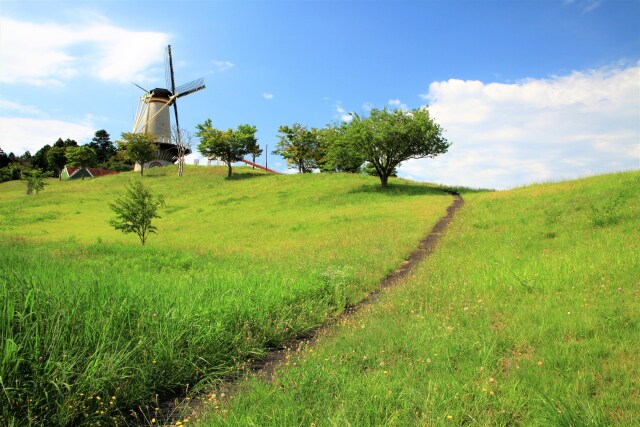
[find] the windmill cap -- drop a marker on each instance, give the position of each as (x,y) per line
(160,93)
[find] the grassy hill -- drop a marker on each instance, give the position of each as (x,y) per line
(528,313)
(93,324)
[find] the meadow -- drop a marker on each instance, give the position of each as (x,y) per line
(94,325)
(527,313)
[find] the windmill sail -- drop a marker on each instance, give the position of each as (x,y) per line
(153,116)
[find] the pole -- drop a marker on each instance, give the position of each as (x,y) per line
(266,157)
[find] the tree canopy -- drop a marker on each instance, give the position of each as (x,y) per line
(229,145)
(387,138)
(299,146)
(103,146)
(137,148)
(82,156)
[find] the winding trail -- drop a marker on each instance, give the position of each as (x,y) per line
(267,366)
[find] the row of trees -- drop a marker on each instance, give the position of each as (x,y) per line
(376,144)
(51,159)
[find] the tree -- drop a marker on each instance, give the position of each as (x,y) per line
(183,140)
(137,148)
(135,211)
(82,157)
(255,152)
(230,145)
(299,146)
(336,155)
(66,143)
(387,138)
(102,145)
(39,160)
(4,159)
(56,159)
(34,179)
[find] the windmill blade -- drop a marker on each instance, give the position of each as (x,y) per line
(168,68)
(189,88)
(140,87)
(175,110)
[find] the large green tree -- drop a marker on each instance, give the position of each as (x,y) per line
(299,146)
(82,157)
(229,145)
(137,148)
(387,138)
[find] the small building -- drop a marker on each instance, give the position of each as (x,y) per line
(81,173)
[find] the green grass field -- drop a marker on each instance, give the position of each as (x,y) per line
(93,324)
(528,313)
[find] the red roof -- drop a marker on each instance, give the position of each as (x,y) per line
(95,172)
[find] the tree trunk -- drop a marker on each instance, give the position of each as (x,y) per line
(253,166)
(141,170)
(384,178)
(229,165)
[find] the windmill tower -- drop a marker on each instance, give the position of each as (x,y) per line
(153,115)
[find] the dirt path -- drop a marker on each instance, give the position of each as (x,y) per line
(267,366)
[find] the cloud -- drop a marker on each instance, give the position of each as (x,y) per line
(222,66)
(396,103)
(53,53)
(14,107)
(506,135)
(342,113)
(18,135)
(267,96)
(367,106)
(585,6)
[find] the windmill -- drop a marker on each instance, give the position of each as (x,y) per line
(153,114)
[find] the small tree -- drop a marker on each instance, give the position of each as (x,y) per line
(183,140)
(299,146)
(230,145)
(34,180)
(82,156)
(387,138)
(137,148)
(135,211)
(255,152)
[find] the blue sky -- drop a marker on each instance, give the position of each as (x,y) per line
(527,91)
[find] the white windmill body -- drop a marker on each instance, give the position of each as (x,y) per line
(153,116)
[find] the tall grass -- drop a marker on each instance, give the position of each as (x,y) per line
(93,324)
(527,314)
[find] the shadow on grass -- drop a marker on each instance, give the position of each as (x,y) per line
(402,189)
(398,189)
(239,176)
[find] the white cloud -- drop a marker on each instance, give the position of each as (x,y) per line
(342,113)
(18,135)
(53,53)
(396,103)
(505,135)
(267,96)
(15,107)
(223,65)
(367,106)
